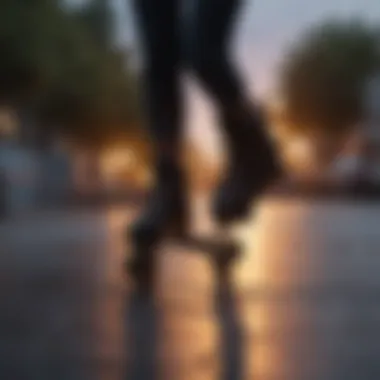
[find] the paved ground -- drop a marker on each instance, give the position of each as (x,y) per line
(305,303)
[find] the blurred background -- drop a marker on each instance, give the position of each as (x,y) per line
(75,161)
(72,124)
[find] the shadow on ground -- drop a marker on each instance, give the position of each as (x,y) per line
(143,319)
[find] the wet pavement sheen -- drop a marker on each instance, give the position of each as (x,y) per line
(304,304)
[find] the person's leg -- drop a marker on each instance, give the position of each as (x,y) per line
(158,26)
(252,160)
(208,41)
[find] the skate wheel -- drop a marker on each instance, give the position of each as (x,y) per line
(228,253)
(142,277)
(224,260)
(141,269)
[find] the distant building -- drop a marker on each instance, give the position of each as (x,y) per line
(371,98)
(370,149)
(360,158)
(8,124)
(30,177)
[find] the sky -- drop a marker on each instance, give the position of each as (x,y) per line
(265,31)
(267,27)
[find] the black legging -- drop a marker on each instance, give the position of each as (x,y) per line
(196,39)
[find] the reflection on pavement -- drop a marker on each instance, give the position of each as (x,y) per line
(304,303)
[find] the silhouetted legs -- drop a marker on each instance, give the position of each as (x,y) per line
(205,51)
(158,23)
(252,162)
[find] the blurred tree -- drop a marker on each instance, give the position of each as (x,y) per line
(94,94)
(28,31)
(25,36)
(60,70)
(98,18)
(321,78)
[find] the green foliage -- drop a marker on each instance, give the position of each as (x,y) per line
(97,17)
(62,63)
(26,35)
(322,76)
